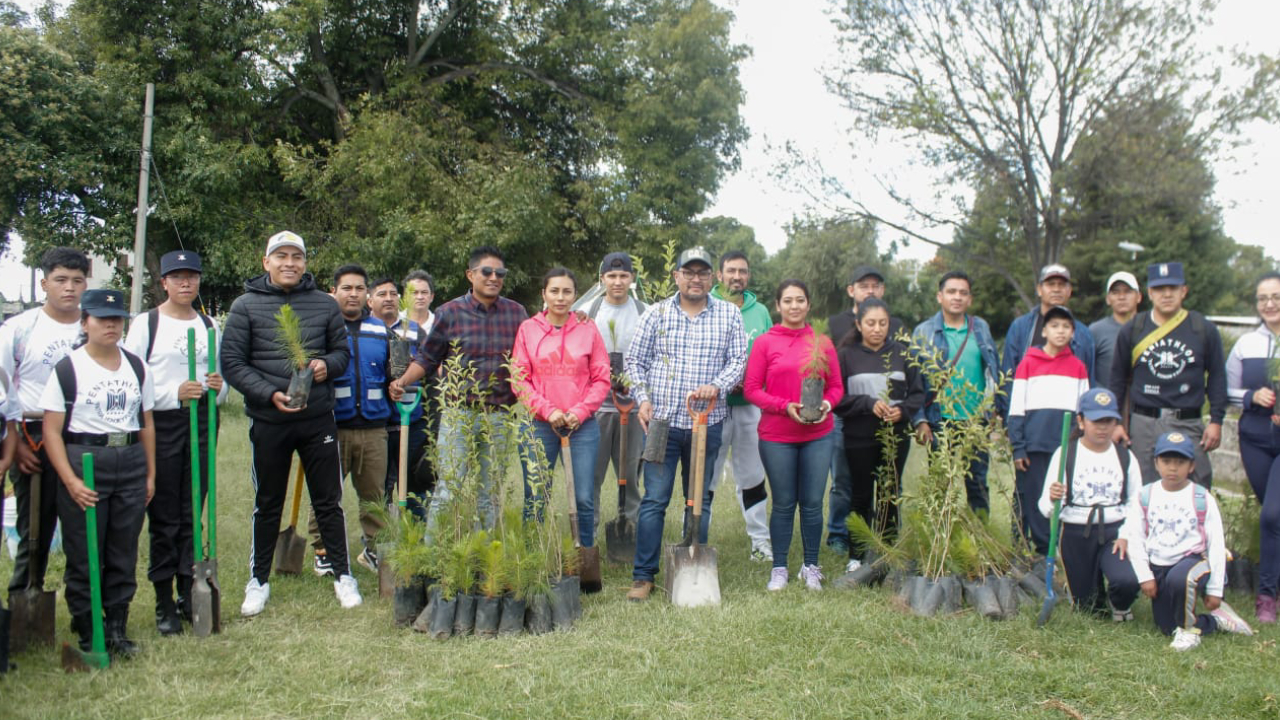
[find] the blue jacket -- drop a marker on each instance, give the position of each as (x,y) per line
(412,334)
(362,389)
(1018,339)
(930,334)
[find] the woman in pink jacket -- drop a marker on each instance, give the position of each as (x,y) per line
(796,454)
(564,376)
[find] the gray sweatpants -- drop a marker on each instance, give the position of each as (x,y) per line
(1143,433)
(610,431)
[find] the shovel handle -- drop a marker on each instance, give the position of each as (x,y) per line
(569,482)
(213,448)
(193,411)
(95,576)
(297,495)
(624,406)
(699,416)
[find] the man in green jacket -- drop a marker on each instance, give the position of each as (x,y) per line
(739,434)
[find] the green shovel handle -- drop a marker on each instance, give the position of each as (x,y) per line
(193,410)
(213,448)
(95,576)
(407,406)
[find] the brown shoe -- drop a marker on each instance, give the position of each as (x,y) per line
(640,590)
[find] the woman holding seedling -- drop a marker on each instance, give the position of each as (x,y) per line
(795,426)
(563,377)
(1253,375)
(99,402)
(883,390)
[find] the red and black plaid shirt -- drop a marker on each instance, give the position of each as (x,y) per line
(484,336)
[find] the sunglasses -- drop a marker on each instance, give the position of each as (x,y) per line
(489,272)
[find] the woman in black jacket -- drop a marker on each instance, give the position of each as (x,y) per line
(882,388)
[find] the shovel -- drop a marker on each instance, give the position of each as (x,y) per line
(206,596)
(4,617)
(291,547)
(692,575)
(33,609)
(620,533)
(73,658)
(588,557)
(1051,557)
(386,577)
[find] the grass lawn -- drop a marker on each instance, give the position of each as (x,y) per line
(793,654)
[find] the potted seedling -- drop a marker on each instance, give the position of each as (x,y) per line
(493,574)
(517,556)
(410,560)
(813,379)
(294,346)
(616,371)
(566,590)
(399,350)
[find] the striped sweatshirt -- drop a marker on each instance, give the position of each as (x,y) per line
(1043,388)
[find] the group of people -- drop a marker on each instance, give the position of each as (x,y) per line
(786,408)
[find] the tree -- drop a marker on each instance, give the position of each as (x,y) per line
(1000,92)
(823,253)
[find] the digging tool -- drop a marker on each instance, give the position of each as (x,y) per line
(692,575)
(33,610)
(386,577)
(1051,557)
(73,658)
(588,557)
(620,533)
(290,546)
(206,596)
(4,614)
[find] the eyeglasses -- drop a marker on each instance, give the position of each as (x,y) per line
(696,274)
(490,272)
(1269,299)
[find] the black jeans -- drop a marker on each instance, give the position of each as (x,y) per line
(867,459)
(1087,563)
(169,514)
(33,556)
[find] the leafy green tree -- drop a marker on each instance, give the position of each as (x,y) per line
(824,253)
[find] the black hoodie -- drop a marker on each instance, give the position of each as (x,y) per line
(252,360)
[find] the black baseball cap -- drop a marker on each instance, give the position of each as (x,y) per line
(179,260)
(1059,311)
(617,261)
(104,303)
(864,271)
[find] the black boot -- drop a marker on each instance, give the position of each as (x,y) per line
(167,620)
(184,597)
(118,642)
(82,626)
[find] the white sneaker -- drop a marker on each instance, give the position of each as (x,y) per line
(853,565)
(777,579)
(1185,639)
(762,552)
(1230,621)
(812,577)
(348,592)
(255,598)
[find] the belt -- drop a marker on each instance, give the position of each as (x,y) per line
(1178,413)
(120,439)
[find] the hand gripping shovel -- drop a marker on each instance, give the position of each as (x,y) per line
(386,576)
(620,533)
(206,595)
(1052,598)
(588,557)
(33,609)
(290,546)
(692,575)
(73,658)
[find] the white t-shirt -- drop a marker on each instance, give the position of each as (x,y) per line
(30,345)
(168,364)
(107,401)
(1096,482)
(1170,532)
(625,319)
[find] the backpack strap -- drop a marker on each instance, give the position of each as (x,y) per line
(595,307)
(1144,499)
(1122,454)
(1200,499)
(66,373)
(639,305)
(140,372)
(153,326)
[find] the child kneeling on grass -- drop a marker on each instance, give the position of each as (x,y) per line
(1173,534)
(1101,476)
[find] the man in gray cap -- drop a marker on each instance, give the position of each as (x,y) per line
(1123,297)
(688,346)
(1167,362)
(1054,289)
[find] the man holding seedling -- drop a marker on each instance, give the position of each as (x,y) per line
(284,326)
(690,346)
(1167,362)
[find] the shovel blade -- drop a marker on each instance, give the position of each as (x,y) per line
(291,549)
(206,600)
(692,575)
(33,618)
(589,570)
(4,640)
(620,540)
(76,660)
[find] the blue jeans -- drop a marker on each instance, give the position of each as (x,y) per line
(659,480)
(841,486)
(583,444)
(797,474)
(461,431)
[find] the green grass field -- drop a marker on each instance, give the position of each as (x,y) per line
(793,654)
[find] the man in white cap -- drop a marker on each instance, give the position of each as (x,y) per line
(1123,297)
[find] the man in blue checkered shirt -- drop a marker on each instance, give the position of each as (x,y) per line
(689,344)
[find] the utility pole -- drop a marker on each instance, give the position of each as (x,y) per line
(140,228)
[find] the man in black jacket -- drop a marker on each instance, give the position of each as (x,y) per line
(256,365)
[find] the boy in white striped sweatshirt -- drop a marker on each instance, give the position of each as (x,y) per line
(1173,535)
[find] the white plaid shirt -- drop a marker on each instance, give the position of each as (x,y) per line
(672,354)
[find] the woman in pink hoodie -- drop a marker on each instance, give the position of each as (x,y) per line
(563,378)
(796,454)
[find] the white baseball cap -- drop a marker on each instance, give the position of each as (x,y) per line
(1123,277)
(285,239)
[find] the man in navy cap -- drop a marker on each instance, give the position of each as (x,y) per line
(161,342)
(1167,362)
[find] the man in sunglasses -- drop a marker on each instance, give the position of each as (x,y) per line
(480,327)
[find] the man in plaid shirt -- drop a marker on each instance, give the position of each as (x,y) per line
(690,344)
(481,327)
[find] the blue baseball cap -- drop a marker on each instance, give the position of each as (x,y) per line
(104,303)
(1175,443)
(1161,274)
(1099,404)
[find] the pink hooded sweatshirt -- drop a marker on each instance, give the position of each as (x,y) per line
(564,368)
(774,374)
